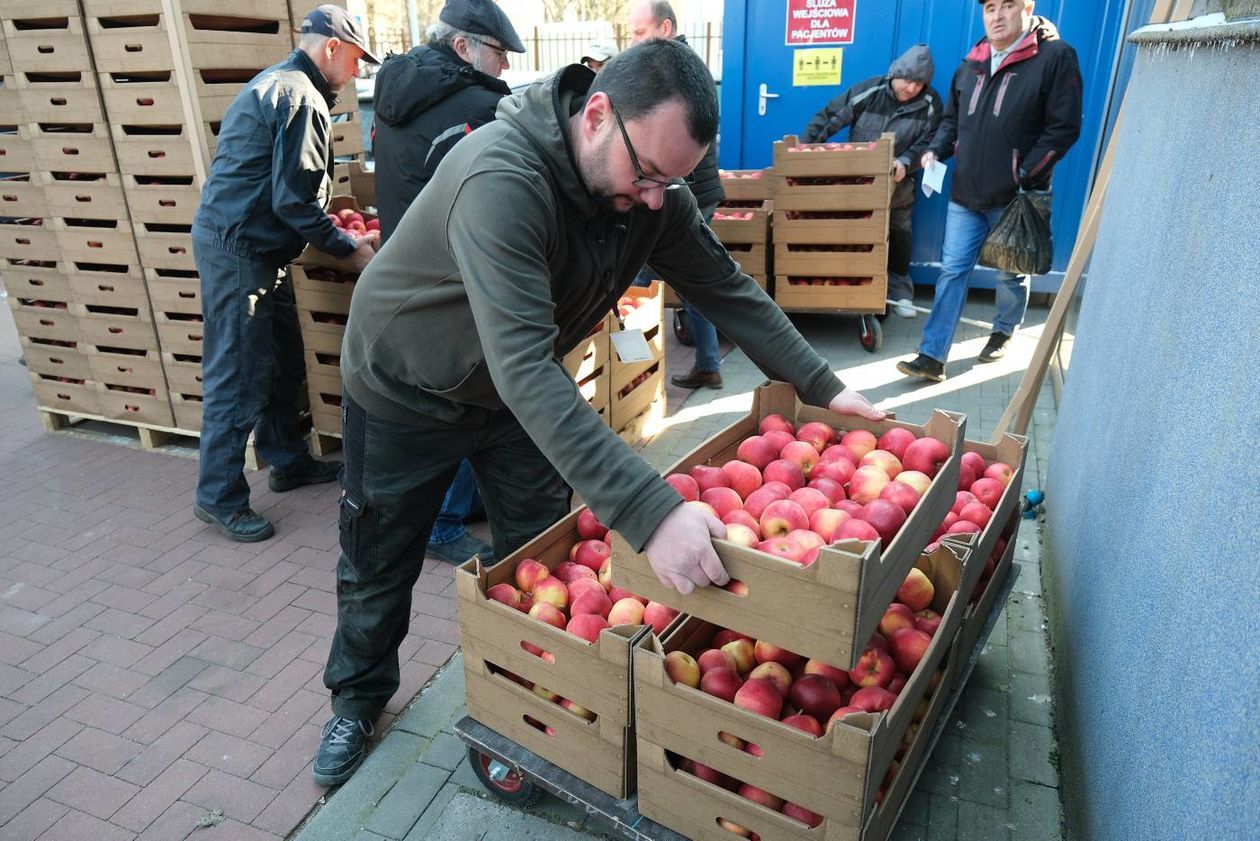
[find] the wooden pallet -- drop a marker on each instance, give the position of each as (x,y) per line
(149,437)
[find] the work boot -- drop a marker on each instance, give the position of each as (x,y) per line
(246,526)
(341,749)
(923,367)
(306,472)
(995,349)
(460,550)
(696,378)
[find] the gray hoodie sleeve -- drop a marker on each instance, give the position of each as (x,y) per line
(502,258)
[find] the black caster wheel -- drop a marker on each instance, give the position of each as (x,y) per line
(501,780)
(682,328)
(871,333)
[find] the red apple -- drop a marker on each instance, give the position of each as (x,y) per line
(898,492)
(839,452)
(818,434)
(776,673)
(874,668)
(988,491)
(897,684)
(806,723)
(887,518)
(681,668)
(588,525)
(815,695)
(867,483)
(548,613)
(591,602)
(760,697)
(806,539)
(878,640)
(627,611)
(720,683)
(962,498)
(585,585)
(757,501)
(715,658)
(741,535)
(757,451)
(722,500)
(591,553)
(605,574)
(785,471)
(928,621)
(658,616)
(802,454)
(976,512)
(767,652)
(966,477)
(873,699)
(528,573)
(587,626)
(884,460)
(742,651)
(744,478)
(802,815)
(859,441)
(778,439)
(896,440)
(505,593)
(853,529)
(963,527)
(776,421)
(685,485)
(782,547)
(568,572)
(837,676)
(974,460)
(826,522)
(810,499)
(722,637)
(781,517)
(946,521)
(916,591)
(740,516)
(908,647)
(552,591)
(925,455)
(579,711)
(760,796)
(715,777)
(896,617)
(919,481)
(1000,471)
(830,488)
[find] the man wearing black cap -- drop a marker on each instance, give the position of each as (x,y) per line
(902,102)
(426,101)
(263,202)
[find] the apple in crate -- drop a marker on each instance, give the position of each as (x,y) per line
(926,455)
(587,626)
(682,668)
(908,647)
(757,451)
(884,460)
(778,422)
(722,500)
(595,603)
(988,491)
(760,697)
(742,652)
(916,591)
(720,683)
(801,814)
(715,658)
(896,440)
(528,573)
(568,572)
(786,471)
(1000,471)
(896,617)
(505,593)
(552,591)
(685,485)
(760,796)
(591,553)
(783,516)
(837,676)
(815,695)
(873,699)
(744,478)
(859,442)
(818,434)
(802,454)
(874,668)
(805,723)
(658,616)
(776,673)
(627,611)
(548,614)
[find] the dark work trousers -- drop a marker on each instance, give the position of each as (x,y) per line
(899,241)
(252,370)
(393,481)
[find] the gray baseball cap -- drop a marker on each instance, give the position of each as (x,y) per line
(335,22)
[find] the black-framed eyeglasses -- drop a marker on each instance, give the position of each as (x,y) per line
(642,180)
(501,52)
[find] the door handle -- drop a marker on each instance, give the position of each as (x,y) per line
(762,95)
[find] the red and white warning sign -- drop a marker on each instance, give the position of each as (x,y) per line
(813,22)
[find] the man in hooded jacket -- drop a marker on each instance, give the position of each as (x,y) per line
(427,101)
(904,103)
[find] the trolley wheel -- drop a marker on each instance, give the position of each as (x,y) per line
(501,780)
(682,328)
(871,333)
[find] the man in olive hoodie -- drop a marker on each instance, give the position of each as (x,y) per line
(531,229)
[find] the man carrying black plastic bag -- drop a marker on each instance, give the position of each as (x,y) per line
(1018,92)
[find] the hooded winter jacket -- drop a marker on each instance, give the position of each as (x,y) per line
(504,263)
(871,108)
(272,173)
(426,101)
(1028,111)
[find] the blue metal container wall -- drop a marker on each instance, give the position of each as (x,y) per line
(754,54)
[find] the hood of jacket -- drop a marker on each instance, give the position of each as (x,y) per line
(548,129)
(914,65)
(412,83)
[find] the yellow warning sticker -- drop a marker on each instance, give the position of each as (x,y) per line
(816,66)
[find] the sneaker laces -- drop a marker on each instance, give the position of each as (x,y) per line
(338,730)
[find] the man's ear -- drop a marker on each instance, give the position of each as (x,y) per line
(332,46)
(595,113)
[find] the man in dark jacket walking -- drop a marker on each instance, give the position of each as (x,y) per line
(1014,110)
(656,19)
(263,202)
(530,231)
(426,101)
(431,97)
(904,103)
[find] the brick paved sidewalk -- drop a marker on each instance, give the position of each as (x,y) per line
(154,677)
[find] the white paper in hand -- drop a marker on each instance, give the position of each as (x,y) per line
(631,346)
(934,178)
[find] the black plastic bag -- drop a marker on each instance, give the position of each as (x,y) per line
(1020,242)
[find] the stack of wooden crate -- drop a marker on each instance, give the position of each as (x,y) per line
(742,221)
(831,225)
(636,390)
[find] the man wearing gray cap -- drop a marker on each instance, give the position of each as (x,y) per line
(597,54)
(902,102)
(263,202)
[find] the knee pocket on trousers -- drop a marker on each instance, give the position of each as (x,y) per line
(358,524)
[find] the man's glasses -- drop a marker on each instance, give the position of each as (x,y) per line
(501,52)
(642,180)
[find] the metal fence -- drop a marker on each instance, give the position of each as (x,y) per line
(547,50)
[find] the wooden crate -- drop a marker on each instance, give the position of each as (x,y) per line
(830,608)
(795,159)
(46,283)
(837,295)
(66,395)
(60,359)
(633,399)
(39,41)
(124,367)
(23,195)
(830,226)
(46,320)
(122,286)
(171,199)
(174,291)
(73,147)
(747,184)
(347,137)
(165,246)
(180,333)
(158,151)
(69,96)
(151,98)
(743,224)
(183,374)
(28,239)
(752,259)
(84,195)
(118,326)
(186,409)
(136,404)
(16,152)
(97,241)
(838,260)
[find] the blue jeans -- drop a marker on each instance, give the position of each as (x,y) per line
(462,498)
(252,369)
(965,232)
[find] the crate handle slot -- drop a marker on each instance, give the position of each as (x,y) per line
(46,49)
(144,101)
(156,153)
(133,48)
(189,295)
(83,199)
(166,203)
(69,150)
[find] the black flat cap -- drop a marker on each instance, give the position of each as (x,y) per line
(482,17)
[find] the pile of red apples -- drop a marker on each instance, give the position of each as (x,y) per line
(578,595)
(832,147)
(627,304)
(807,694)
(789,491)
(353,223)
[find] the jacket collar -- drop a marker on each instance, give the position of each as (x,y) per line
(303,62)
(1024,50)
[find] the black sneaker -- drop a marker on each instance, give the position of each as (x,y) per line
(341,749)
(923,367)
(460,550)
(308,472)
(246,526)
(696,378)
(995,349)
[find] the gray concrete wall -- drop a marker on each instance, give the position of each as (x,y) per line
(1153,553)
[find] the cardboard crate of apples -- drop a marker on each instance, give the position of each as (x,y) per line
(345,213)
(547,643)
(788,484)
(747,184)
(983,589)
(800,744)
